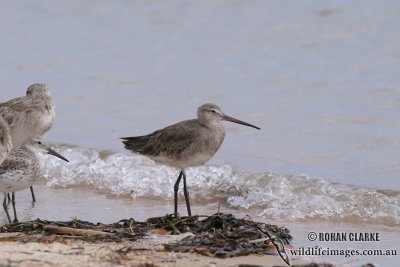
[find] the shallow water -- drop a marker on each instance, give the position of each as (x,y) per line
(273,196)
(319,77)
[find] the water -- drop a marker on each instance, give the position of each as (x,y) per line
(273,196)
(319,77)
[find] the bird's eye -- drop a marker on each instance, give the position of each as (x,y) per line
(39,142)
(213,111)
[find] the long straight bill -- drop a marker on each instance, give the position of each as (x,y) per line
(227,118)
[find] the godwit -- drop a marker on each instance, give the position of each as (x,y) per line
(31,115)
(22,168)
(185,144)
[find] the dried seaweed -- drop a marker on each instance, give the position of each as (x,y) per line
(122,230)
(312,265)
(223,235)
(219,235)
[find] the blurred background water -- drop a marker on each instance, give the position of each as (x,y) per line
(321,78)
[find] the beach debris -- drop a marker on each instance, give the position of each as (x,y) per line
(313,264)
(77,229)
(223,236)
(59,230)
(220,235)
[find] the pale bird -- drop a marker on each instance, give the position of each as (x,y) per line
(30,115)
(5,140)
(22,168)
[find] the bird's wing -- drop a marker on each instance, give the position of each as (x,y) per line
(13,110)
(11,170)
(169,141)
(13,163)
(17,104)
(9,110)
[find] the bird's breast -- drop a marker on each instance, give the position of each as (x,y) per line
(202,149)
(34,123)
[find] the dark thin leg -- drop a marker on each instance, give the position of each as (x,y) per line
(176,187)
(5,206)
(33,195)
(9,199)
(186,193)
(13,204)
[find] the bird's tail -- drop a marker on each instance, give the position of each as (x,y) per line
(135,143)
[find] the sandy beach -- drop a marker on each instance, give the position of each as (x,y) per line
(151,243)
(147,252)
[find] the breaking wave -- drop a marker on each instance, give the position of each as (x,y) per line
(271,195)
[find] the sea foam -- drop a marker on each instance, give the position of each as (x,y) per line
(271,195)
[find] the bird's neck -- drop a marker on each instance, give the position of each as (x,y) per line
(210,124)
(36,156)
(28,149)
(41,96)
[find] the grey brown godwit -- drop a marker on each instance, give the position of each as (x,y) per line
(185,144)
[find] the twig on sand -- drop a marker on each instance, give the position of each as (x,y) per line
(60,230)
